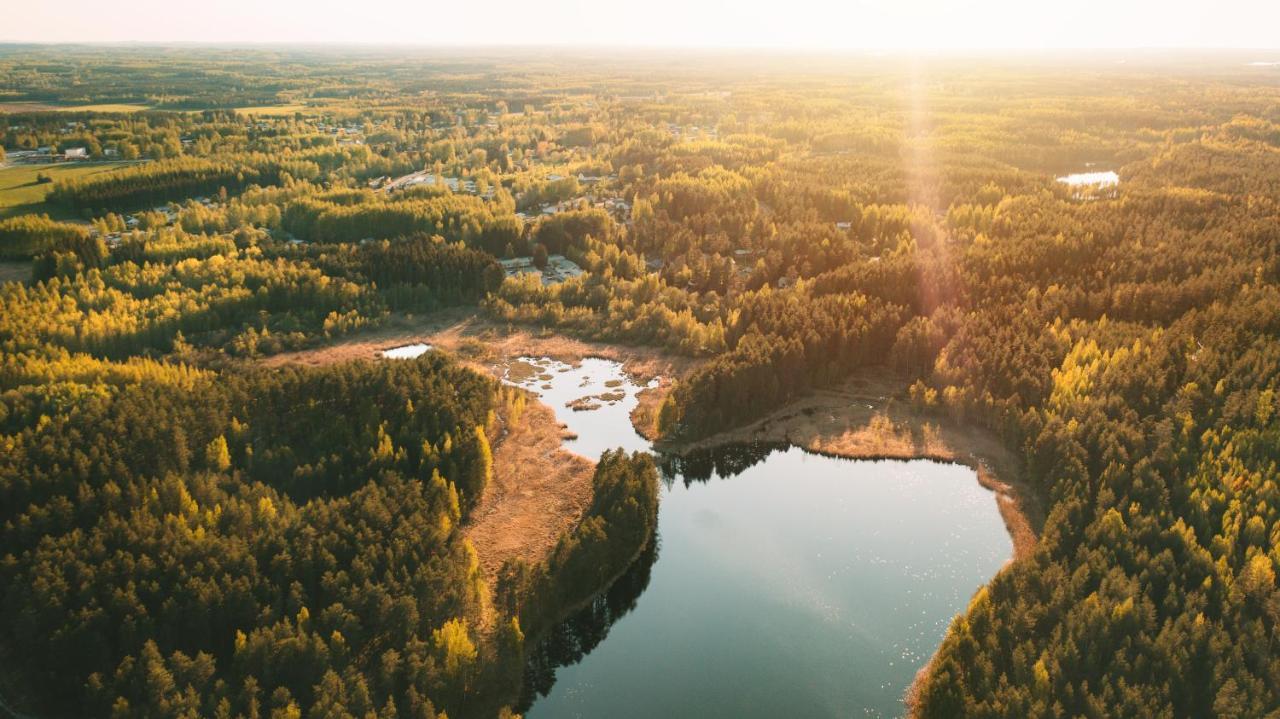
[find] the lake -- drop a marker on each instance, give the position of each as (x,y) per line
(780,583)
(1086,179)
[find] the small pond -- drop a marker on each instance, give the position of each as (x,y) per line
(407,351)
(1108,178)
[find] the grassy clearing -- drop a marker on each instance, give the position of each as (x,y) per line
(14,271)
(271,110)
(106,107)
(21,194)
(23,106)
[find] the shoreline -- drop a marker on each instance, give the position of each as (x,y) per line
(866,417)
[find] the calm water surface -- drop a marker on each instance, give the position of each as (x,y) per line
(407,351)
(1100,179)
(781,584)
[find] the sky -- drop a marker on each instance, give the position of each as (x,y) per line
(785,24)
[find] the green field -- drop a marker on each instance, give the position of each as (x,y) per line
(20,193)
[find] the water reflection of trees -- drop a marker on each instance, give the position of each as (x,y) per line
(726,460)
(568,642)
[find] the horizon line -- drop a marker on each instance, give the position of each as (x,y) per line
(614,47)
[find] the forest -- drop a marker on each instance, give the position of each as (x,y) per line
(187,533)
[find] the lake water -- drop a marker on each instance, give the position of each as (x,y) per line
(1099,179)
(407,351)
(605,393)
(781,583)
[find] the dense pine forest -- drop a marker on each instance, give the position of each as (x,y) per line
(186,533)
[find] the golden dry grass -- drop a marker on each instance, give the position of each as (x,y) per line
(271,110)
(539,490)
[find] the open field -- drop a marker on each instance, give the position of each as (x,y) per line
(271,110)
(13,271)
(24,106)
(21,194)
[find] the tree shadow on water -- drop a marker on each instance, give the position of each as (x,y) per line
(569,641)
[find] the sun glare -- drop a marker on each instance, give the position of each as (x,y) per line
(798,25)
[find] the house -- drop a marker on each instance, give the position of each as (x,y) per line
(844,225)
(558,268)
(76,153)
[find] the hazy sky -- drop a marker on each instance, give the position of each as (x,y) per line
(815,24)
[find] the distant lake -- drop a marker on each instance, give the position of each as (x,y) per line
(781,583)
(1101,179)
